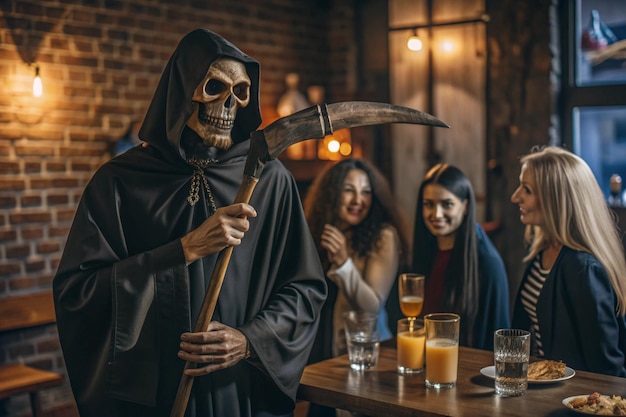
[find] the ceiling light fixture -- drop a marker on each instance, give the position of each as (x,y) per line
(37,86)
(414,43)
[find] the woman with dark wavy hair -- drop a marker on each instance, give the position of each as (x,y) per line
(362,241)
(464,271)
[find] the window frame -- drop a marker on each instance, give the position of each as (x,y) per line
(574,96)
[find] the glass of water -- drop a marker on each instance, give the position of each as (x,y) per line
(511,352)
(362,339)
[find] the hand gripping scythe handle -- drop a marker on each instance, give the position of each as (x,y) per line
(312,123)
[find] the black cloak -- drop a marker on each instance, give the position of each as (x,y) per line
(124,295)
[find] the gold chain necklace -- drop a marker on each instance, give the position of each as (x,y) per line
(198,178)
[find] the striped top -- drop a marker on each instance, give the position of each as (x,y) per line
(530,293)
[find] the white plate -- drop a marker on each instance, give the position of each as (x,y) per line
(490,372)
(567,401)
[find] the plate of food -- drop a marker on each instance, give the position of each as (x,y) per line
(540,372)
(596,404)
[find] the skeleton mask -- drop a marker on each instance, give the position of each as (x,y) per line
(224,90)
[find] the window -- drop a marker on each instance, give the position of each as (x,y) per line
(594,84)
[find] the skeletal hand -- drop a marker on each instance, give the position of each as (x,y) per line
(226,227)
(335,244)
(218,348)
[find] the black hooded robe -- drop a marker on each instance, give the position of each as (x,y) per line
(124,295)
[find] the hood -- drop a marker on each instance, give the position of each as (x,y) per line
(171,104)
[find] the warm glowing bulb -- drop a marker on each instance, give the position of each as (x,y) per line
(414,43)
(37,86)
(447,46)
(345,149)
(334,145)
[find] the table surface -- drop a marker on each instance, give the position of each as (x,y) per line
(383,392)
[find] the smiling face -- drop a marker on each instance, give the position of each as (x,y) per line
(443,213)
(355,199)
(526,198)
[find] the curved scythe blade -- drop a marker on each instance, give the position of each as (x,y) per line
(318,121)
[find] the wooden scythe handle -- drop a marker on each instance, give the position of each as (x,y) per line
(210,300)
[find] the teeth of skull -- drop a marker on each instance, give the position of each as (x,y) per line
(214,121)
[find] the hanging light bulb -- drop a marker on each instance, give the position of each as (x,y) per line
(37,86)
(414,43)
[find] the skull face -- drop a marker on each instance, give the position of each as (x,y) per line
(224,90)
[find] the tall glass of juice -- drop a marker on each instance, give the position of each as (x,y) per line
(442,349)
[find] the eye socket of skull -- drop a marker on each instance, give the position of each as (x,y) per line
(214,87)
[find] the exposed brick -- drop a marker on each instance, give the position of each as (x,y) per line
(121,35)
(54,12)
(48,247)
(9,167)
(77,76)
(121,79)
(45,280)
(31,217)
(20,350)
(8,201)
(32,167)
(57,199)
(45,183)
(57,43)
(50,345)
(111,94)
(31,200)
(58,231)
(22,283)
(43,27)
(54,263)
(34,149)
(75,150)
(9,267)
(89,31)
(49,133)
(16,22)
(31,232)
(9,55)
(34,265)
(78,61)
(55,166)
(5,145)
(65,215)
(42,363)
(17,251)
(11,184)
(8,235)
(84,47)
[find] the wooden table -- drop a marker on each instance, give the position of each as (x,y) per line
(383,392)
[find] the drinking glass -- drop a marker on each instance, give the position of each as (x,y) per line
(362,339)
(442,349)
(410,340)
(511,352)
(411,294)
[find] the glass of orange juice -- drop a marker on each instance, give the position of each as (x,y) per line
(442,349)
(411,338)
(411,294)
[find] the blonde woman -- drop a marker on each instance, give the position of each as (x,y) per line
(573,293)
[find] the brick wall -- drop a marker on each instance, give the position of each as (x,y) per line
(99,66)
